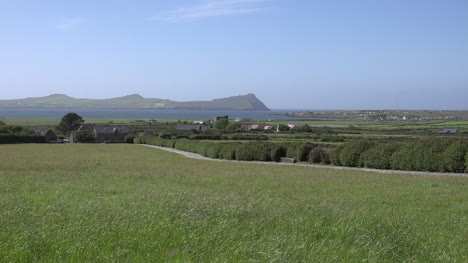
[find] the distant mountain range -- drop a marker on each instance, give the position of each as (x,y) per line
(247,102)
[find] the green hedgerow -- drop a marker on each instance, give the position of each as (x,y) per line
(351,153)
(335,155)
(320,155)
(466,162)
(213,150)
(454,158)
(380,156)
(277,151)
(300,151)
(228,151)
(246,152)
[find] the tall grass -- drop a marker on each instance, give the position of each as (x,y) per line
(127,203)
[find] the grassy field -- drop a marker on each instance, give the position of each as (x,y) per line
(126,203)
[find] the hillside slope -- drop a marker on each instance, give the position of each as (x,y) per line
(135,101)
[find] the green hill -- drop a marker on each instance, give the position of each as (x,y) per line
(135,101)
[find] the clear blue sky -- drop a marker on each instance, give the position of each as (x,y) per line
(328,54)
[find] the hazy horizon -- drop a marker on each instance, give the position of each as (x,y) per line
(363,54)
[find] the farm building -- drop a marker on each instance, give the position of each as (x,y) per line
(217,118)
(48,133)
(110,134)
(448,132)
(102,134)
(190,127)
(243,119)
(255,127)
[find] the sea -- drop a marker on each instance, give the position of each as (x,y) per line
(44,113)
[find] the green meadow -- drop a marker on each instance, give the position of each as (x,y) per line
(128,203)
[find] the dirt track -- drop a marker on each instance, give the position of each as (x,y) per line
(200,157)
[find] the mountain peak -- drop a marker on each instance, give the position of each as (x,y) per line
(136,96)
(58,95)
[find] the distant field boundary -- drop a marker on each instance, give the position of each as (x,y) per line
(200,157)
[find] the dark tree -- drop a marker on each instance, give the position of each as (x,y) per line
(2,123)
(306,128)
(221,124)
(14,129)
(70,122)
(85,136)
(234,126)
(283,127)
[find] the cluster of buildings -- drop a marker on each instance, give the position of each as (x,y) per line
(101,133)
(259,127)
(391,117)
(378,115)
(199,127)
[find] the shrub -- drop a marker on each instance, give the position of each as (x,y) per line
(221,124)
(300,151)
(262,152)
(402,159)
(438,146)
(11,129)
(454,158)
(245,152)
(228,151)
(213,150)
(168,143)
(234,126)
(335,155)
(424,155)
(351,153)
(380,157)
(306,129)
(202,149)
(137,140)
(277,151)
(165,135)
(466,162)
(283,127)
(130,138)
(71,121)
(428,154)
(186,145)
(154,141)
(319,155)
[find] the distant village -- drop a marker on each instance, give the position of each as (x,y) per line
(92,133)
(382,115)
